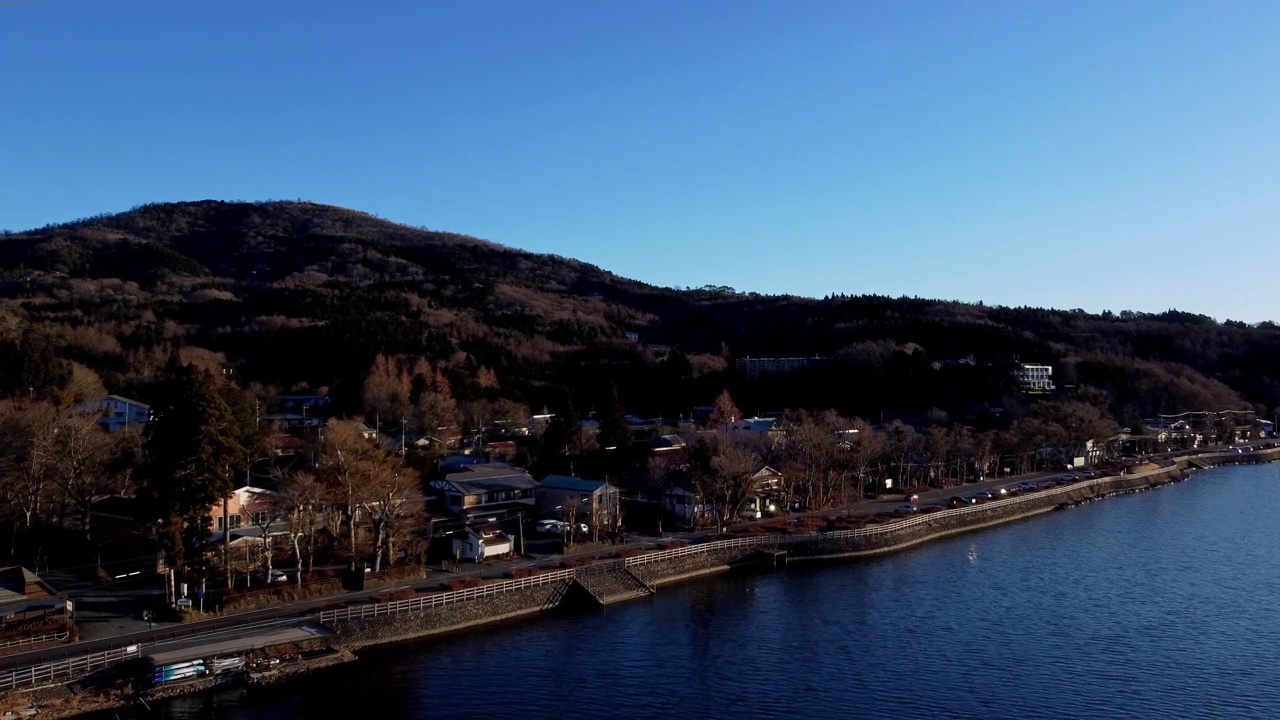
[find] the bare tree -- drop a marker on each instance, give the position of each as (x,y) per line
(264,511)
(723,466)
(24,471)
(343,470)
(299,501)
(392,501)
(79,455)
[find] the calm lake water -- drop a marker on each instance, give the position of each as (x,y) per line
(1158,603)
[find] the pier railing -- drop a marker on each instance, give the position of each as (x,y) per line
(774,540)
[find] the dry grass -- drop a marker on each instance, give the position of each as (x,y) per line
(577,562)
(283,595)
(401,594)
(517,573)
(462,583)
(627,552)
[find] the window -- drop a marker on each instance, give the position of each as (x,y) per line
(234,521)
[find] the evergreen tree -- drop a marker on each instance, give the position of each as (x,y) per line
(194,455)
(562,434)
(614,431)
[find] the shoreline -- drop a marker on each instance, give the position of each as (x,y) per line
(619,580)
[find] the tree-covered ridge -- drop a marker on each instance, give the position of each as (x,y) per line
(290,294)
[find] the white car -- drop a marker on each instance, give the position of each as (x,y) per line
(551,527)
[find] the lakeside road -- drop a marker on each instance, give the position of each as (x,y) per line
(255,622)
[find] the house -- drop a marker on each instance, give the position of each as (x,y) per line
(597,500)
(1034,378)
(761,425)
(249,511)
(310,403)
(667,444)
(117,413)
(25,598)
(764,496)
(478,544)
(489,490)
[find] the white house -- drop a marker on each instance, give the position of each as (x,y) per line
(120,413)
(478,544)
(1035,378)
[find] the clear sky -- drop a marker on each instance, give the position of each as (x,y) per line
(1102,155)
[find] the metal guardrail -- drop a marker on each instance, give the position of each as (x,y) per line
(46,673)
(361,612)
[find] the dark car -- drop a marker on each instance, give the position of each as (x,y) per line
(1026,487)
(961,500)
(984,495)
(906,509)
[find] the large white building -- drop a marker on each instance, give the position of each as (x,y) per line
(1035,378)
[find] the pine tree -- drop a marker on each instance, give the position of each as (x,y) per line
(193,455)
(614,431)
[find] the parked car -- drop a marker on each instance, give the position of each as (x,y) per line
(1066,479)
(1026,487)
(1002,491)
(277,576)
(551,527)
(983,495)
(908,508)
(1088,474)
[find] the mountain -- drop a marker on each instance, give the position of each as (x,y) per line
(288,294)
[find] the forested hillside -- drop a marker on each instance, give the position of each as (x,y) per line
(290,295)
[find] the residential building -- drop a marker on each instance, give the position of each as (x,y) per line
(1035,378)
(478,544)
(690,509)
(596,500)
(25,597)
(755,368)
(482,491)
(117,413)
(248,512)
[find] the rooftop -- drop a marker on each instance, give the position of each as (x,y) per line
(564,482)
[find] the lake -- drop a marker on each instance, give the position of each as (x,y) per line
(1164,602)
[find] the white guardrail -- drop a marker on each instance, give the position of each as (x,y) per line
(396,607)
(47,673)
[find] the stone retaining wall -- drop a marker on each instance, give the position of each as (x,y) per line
(456,616)
(688,566)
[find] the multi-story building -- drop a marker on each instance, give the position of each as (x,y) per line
(1035,378)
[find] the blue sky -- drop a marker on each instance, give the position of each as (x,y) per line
(1098,155)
